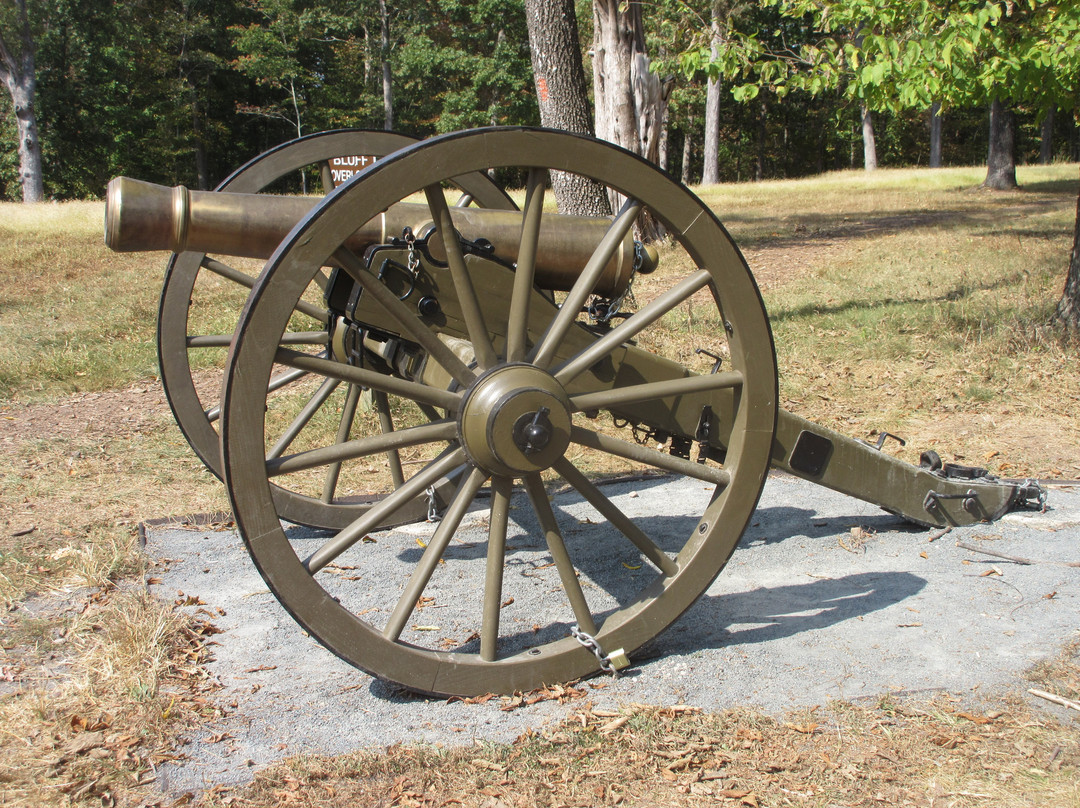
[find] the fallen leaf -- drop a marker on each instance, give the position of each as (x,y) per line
(946,741)
(611,726)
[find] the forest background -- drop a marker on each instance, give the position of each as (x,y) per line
(184,91)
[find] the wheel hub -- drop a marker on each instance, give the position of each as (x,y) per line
(515,420)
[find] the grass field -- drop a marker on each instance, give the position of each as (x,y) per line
(906,300)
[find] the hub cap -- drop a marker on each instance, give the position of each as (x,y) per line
(515,421)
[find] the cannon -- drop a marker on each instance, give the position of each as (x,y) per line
(402,358)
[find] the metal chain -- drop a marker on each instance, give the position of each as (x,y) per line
(1031,490)
(432,505)
(413,260)
(643,436)
(600,310)
(590,642)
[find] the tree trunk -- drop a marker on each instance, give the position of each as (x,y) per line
(759,162)
(1046,140)
(1001,159)
(869,144)
(562,95)
(687,152)
(935,135)
(21,79)
(384,52)
(664,135)
(710,172)
(630,99)
(1068,308)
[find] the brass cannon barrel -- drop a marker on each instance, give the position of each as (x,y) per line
(144,216)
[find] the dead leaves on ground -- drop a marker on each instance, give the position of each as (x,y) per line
(677,756)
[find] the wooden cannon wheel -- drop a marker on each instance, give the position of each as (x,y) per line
(514,419)
(193,328)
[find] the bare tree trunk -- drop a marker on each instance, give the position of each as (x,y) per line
(935,135)
(687,151)
(1046,139)
(1001,159)
(1068,308)
(710,172)
(19,74)
(630,99)
(562,95)
(869,144)
(384,52)
(663,161)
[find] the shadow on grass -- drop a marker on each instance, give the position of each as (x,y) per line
(957,292)
(809,229)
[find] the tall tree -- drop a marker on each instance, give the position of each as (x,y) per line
(562,94)
(19,75)
(272,51)
(387,72)
(630,99)
(462,64)
(935,134)
(1046,137)
(1001,152)
(1068,307)
(868,139)
(710,171)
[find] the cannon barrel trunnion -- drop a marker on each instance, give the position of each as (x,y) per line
(408,357)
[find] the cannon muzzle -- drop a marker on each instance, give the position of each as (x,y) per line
(144,216)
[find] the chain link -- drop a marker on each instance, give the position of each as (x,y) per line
(1030,490)
(590,642)
(432,505)
(601,310)
(413,260)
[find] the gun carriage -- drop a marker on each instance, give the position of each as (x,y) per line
(417,347)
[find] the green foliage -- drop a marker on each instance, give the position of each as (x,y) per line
(893,54)
(464,63)
(157,88)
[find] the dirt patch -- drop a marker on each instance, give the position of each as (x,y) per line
(106,414)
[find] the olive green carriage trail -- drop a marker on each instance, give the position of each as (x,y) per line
(510,355)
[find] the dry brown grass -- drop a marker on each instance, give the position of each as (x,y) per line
(902,301)
(890,753)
